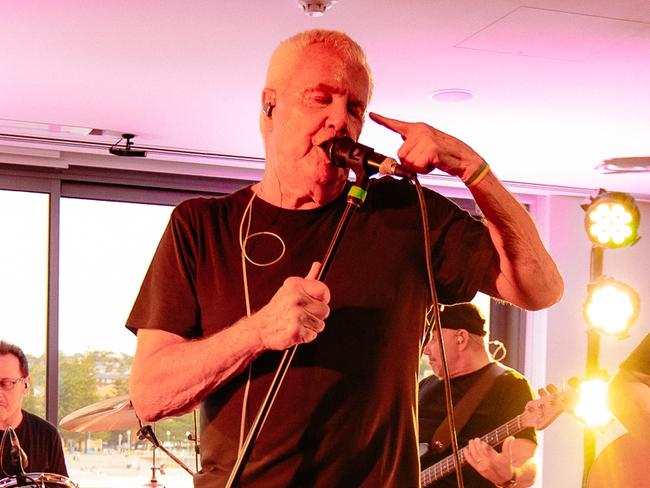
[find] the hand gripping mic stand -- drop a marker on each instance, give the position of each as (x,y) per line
(356,196)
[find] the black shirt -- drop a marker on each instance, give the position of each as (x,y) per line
(41,442)
(344,416)
(505,400)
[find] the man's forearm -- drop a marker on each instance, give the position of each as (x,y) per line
(527,275)
(171,376)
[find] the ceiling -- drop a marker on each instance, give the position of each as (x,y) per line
(560,85)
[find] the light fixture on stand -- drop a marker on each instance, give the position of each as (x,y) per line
(611,221)
(591,408)
(611,307)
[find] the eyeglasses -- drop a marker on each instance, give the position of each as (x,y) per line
(7,384)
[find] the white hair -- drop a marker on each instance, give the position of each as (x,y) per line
(343,44)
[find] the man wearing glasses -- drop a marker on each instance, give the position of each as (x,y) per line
(38,438)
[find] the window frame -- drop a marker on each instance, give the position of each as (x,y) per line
(96,184)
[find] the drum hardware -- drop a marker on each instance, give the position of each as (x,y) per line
(195,439)
(153,482)
(38,480)
(118,414)
(147,432)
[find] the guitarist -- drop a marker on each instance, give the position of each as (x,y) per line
(468,360)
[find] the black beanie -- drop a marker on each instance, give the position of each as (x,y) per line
(463,316)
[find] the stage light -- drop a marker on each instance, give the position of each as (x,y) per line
(591,409)
(611,307)
(612,219)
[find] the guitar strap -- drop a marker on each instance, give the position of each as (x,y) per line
(466,406)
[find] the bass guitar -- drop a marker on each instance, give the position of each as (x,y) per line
(538,414)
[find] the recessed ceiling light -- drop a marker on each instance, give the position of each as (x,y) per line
(450,95)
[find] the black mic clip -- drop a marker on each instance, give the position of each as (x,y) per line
(14,456)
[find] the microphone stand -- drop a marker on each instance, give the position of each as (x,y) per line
(16,455)
(356,196)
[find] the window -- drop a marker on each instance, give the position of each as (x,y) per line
(105,249)
(23,282)
(93,233)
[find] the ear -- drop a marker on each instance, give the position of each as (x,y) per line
(266,122)
(462,338)
(268,101)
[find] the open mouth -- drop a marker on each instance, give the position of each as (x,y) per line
(325,146)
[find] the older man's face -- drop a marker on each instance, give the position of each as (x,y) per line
(322,99)
(11,400)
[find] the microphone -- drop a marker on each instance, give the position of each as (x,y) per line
(345,153)
(17,454)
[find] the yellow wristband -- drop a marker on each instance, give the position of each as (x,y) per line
(478,175)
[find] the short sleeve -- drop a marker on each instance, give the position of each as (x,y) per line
(167,298)
(462,250)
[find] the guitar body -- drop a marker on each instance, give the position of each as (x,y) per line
(623,463)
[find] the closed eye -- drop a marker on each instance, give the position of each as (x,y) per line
(357,110)
(318,98)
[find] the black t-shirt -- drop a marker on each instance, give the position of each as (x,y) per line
(344,416)
(639,359)
(42,443)
(505,400)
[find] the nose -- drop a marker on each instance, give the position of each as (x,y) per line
(337,117)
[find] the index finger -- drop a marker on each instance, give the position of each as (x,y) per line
(314,271)
(395,125)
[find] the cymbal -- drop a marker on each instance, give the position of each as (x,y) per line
(110,414)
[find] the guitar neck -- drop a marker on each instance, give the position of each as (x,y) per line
(446,466)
